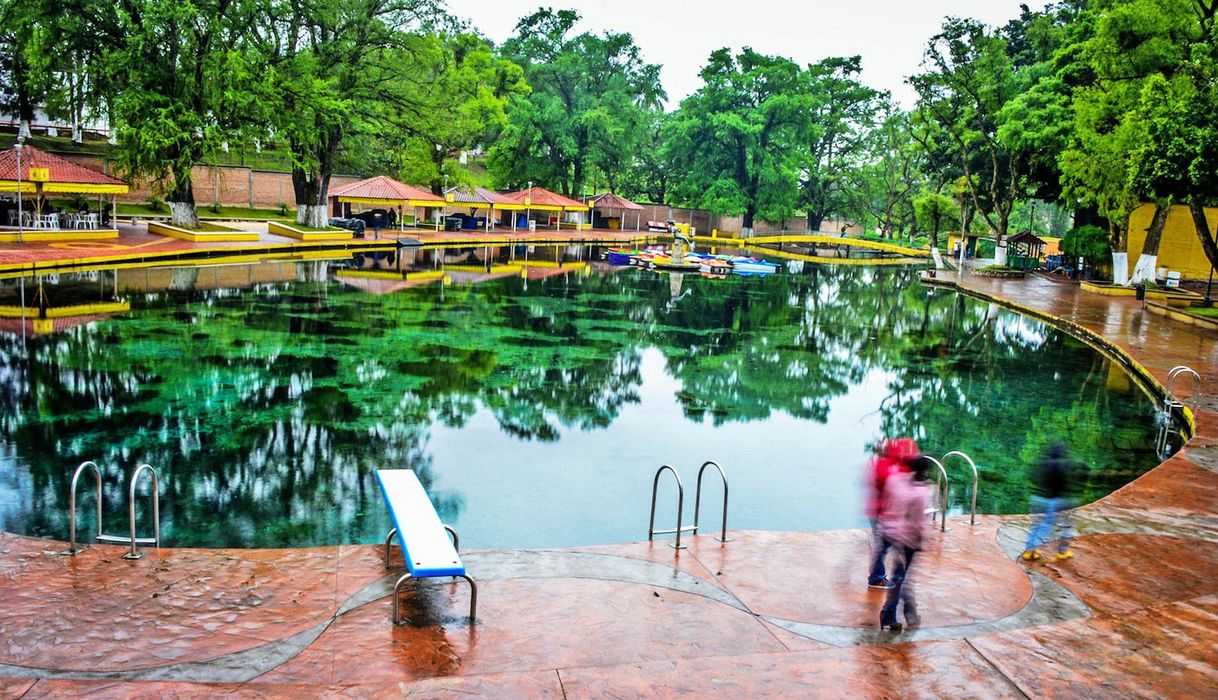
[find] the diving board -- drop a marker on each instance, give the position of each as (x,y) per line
(427,549)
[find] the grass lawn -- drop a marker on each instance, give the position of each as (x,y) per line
(205,212)
(1211,312)
(302,227)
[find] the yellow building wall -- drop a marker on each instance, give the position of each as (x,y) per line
(1179,250)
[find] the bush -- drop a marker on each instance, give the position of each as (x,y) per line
(157,204)
(283,208)
(214,207)
(1090,242)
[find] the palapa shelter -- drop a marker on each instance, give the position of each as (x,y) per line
(44,174)
(474,198)
(610,202)
(383,191)
(1024,250)
(541,199)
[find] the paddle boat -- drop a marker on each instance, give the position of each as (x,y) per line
(752,266)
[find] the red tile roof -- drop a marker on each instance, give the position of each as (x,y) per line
(62,170)
(609,200)
(382,187)
(477,195)
(543,197)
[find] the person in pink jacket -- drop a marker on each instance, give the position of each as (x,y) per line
(901,525)
(890,460)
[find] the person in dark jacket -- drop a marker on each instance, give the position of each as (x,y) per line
(1050,499)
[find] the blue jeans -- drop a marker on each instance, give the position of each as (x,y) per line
(901,590)
(1052,522)
(879,548)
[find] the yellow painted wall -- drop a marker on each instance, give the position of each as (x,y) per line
(1179,250)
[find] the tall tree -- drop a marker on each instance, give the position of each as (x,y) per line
(736,141)
(178,75)
(333,65)
(968,79)
(843,112)
(588,108)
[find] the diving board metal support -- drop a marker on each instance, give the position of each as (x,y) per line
(698,498)
(972,520)
(651,526)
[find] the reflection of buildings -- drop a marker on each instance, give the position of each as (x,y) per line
(463,264)
(161,279)
(30,306)
(387,282)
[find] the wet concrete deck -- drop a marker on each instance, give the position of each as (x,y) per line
(1134,614)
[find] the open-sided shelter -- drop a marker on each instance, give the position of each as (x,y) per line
(476,198)
(383,191)
(543,200)
(612,203)
(43,175)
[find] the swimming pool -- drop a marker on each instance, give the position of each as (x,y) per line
(535,390)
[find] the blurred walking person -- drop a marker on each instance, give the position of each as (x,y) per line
(889,460)
(1050,501)
(902,524)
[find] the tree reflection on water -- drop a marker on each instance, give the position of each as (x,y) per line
(267,395)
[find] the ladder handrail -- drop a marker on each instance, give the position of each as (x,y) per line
(941,489)
(655,485)
(1174,374)
(156,510)
(957,453)
(72,550)
(698,497)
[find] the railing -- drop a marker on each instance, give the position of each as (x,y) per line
(651,526)
(72,549)
(972,520)
(698,499)
(1170,401)
(941,484)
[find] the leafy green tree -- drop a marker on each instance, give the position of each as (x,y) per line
(588,108)
(332,68)
(843,112)
(178,76)
(737,142)
(459,90)
(883,186)
(968,79)
(934,210)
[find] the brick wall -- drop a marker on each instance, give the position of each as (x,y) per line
(233,186)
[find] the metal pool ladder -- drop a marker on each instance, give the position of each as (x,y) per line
(941,484)
(655,485)
(1170,402)
(134,541)
(972,519)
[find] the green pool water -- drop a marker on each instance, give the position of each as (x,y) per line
(535,391)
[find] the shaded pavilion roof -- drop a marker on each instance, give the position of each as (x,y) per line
(1026,237)
(543,199)
(475,196)
(385,190)
(65,176)
(609,200)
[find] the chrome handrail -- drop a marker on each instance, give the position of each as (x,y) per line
(72,550)
(651,526)
(972,520)
(135,553)
(941,490)
(698,498)
(1175,374)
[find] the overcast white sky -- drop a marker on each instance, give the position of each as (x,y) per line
(890,35)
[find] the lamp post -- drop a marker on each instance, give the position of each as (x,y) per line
(19,146)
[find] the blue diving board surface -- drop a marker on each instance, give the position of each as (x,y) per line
(426,546)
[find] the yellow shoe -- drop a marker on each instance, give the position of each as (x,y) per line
(1062,556)
(1031,555)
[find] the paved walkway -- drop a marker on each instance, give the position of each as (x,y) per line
(1134,614)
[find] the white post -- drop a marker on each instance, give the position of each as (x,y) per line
(20,218)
